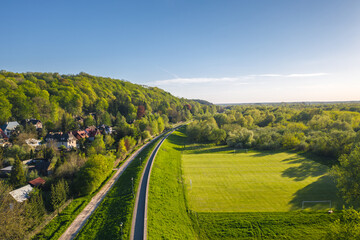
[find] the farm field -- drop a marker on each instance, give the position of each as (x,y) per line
(219,180)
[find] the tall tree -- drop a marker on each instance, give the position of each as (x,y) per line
(17,175)
(59,193)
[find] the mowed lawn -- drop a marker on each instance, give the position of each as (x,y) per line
(217,180)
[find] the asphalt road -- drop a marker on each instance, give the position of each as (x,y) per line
(81,219)
(139,221)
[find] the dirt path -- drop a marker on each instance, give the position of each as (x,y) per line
(139,221)
(81,219)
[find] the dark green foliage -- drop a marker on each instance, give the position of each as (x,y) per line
(347,176)
(17,175)
(59,193)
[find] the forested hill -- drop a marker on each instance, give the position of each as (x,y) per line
(47,96)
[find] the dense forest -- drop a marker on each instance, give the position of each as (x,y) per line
(48,96)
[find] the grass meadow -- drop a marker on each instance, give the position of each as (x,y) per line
(220,180)
(241,195)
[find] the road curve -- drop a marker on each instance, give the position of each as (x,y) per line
(81,219)
(139,219)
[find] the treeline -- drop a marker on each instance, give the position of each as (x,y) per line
(327,130)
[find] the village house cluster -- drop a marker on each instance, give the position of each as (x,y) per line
(62,140)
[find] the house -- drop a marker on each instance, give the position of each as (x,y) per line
(36,123)
(21,194)
(92,131)
(3,135)
(42,166)
(61,139)
(80,134)
(9,128)
(105,129)
(5,171)
(3,138)
(37,182)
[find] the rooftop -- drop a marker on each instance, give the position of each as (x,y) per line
(21,194)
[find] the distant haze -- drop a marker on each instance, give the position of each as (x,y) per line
(220,51)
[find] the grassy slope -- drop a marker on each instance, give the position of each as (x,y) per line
(281,225)
(222,181)
(118,205)
(167,215)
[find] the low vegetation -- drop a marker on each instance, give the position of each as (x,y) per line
(278,225)
(167,211)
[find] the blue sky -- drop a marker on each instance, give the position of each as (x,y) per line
(220,51)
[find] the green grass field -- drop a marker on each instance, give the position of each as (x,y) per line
(219,180)
(265,225)
(167,212)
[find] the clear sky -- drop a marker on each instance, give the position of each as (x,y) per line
(221,51)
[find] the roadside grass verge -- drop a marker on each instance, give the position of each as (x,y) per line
(278,225)
(167,211)
(117,207)
(57,226)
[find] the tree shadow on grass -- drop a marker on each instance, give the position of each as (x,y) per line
(307,168)
(323,189)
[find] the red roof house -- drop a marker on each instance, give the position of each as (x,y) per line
(37,182)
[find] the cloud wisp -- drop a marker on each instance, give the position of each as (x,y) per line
(239,80)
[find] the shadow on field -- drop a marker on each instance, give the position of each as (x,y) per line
(307,168)
(323,189)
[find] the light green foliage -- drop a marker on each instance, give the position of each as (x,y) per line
(347,175)
(145,135)
(222,181)
(109,140)
(121,150)
(347,227)
(5,109)
(240,138)
(93,173)
(46,95)
(167,215)
(99,145)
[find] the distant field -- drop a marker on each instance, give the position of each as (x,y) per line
(217,180)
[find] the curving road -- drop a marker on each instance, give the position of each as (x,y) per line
(81,219)
(139,220)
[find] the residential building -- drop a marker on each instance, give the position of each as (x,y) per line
(9,128)
(61,139)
